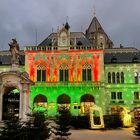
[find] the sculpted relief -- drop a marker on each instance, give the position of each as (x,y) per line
(14,49)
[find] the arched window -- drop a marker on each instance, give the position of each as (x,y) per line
(136,76)
(40,103)
(113,77)
(79,43)
(101,45)
(86,72)
(118,77)
(122,77)
(64,73)
(63,101)
(87,98)
(41,73)
(109,77)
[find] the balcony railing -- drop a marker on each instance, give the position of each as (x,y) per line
(54,48)
(68,84)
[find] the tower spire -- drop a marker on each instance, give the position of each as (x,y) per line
(67,24)
(66,19)
(94,11)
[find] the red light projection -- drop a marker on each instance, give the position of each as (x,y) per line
(48,69)
(96,68)
(55,76)
(72,68)
(31,67)
(75,64)
(78,74)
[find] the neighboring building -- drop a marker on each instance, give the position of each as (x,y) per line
(77,70)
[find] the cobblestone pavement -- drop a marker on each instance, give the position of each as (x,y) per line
(124,134)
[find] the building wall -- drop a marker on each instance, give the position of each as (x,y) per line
(75,88)
(127,88)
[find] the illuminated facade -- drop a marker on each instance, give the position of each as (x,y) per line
(80,70)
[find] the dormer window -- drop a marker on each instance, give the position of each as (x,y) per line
(135,59)
(114,59)
(79,43)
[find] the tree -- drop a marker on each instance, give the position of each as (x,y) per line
(137,129)
(36,127)
(62,124)
(12,129)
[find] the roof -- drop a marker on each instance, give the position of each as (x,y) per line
(74,37)
(122,55)
(95,26)
(5,57)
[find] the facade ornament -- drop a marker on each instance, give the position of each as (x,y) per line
(14,49)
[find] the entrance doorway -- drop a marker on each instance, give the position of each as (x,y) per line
(63,101)
(40,103)
(87,101)
(11,100)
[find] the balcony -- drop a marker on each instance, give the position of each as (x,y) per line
(54,48)
(70,84)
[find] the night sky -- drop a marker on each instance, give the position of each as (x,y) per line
(21,19)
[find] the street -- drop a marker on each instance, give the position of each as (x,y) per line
(124,134)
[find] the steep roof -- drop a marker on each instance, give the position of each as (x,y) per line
(5,57)
(94,26)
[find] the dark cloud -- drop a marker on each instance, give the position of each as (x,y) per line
(22,18)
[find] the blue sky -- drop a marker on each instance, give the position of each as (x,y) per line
(21,19)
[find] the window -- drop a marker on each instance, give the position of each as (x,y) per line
(114,59)
(122,77)
(119,95)
(118,77)
(136,95)
(41,73)
(86,72)
(63,73)
(109,77)
(116,95)
(136,78)
(113,77)
(113,95)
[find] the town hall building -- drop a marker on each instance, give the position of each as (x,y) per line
(78,70)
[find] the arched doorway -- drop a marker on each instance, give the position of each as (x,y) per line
(11,101)
(40,103)
(87,101)
(63,101)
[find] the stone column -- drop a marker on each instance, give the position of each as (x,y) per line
(1,105)
(28,101)
(21,105)
(24,104)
